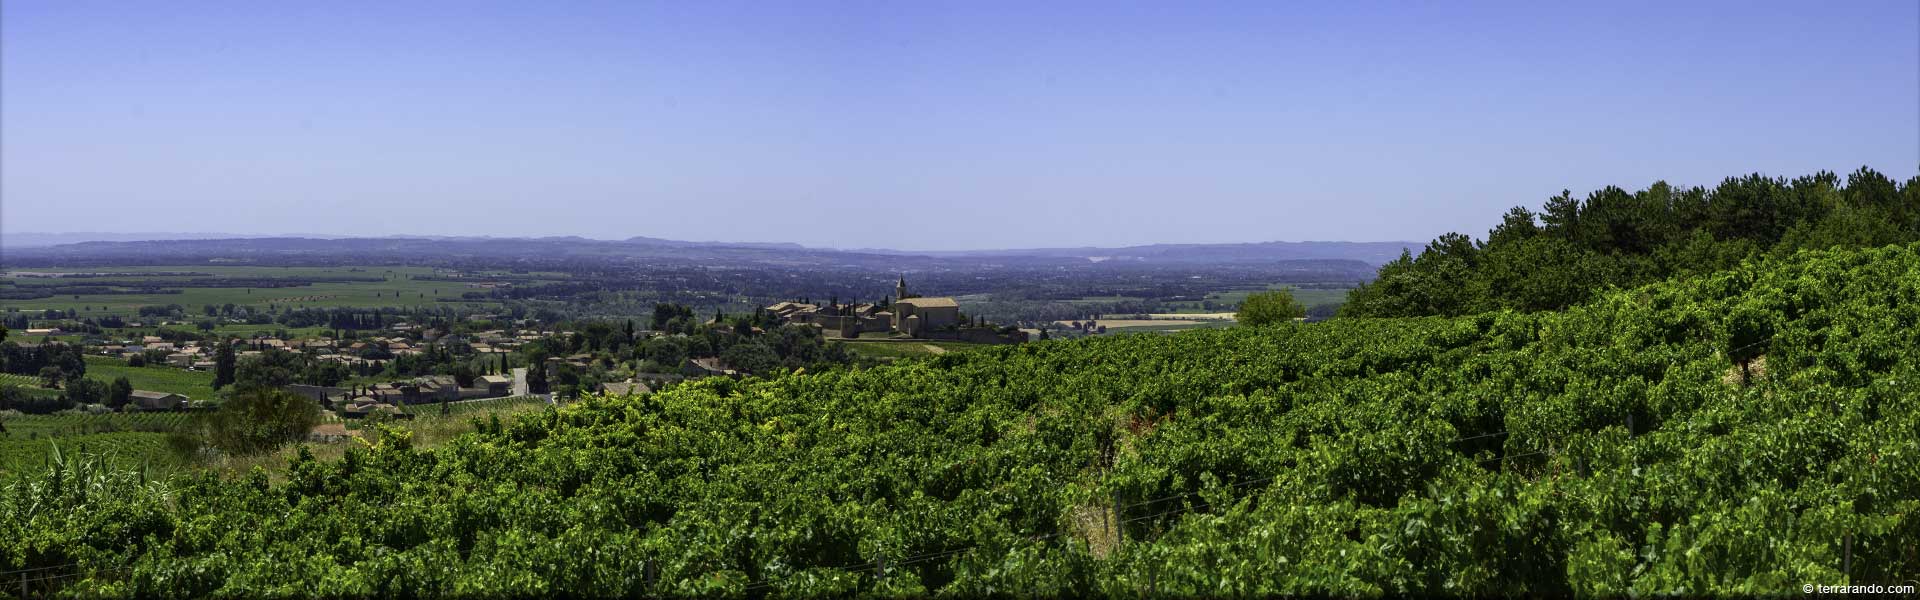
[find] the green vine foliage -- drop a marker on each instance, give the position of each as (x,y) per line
(1607,450)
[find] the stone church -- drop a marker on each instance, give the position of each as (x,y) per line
(915,315)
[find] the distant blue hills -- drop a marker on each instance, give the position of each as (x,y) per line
(44,246)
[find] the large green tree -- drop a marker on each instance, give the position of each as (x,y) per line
(224,364)
(119,393)
(1269,308)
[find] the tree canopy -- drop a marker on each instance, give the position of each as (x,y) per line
(1574,248)
(1269,308)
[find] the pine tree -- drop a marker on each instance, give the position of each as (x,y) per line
(223,364)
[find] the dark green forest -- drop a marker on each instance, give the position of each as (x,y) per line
(1573,249)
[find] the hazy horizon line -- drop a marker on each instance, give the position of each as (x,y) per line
(140,236)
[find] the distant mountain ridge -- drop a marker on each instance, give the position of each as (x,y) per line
(34,244)
(1375,253)
(28,239)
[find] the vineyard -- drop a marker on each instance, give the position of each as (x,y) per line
(1742,432)
(47,426)
(120,450)
(124,440)
(197,385)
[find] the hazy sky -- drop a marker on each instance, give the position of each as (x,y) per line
(922,125)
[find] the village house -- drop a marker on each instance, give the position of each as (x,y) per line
(149,400)
(498,385)
(706,367)
(365,406)
(787,310)
(384,392)
(426,389)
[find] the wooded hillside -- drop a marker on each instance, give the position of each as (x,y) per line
(1573,249)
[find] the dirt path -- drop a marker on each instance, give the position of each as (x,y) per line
(934,349)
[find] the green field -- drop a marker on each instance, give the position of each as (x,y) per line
(197,385)
(48,426)
(126,449)
(133,440)
(128,440)
(396,289)
(1225,300)
(243,330)
(1306,297)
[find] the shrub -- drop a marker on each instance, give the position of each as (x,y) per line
(259,420)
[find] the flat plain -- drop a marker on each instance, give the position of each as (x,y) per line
(395,286)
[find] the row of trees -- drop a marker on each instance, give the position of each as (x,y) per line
(73,393)
(1573,248)
(57,361)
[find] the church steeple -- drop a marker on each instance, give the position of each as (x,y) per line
(900,289)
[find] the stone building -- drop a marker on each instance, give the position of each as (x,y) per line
(917,315)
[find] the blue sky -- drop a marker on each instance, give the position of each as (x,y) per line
(922,125)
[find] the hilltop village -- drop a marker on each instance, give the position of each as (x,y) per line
(903,315)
